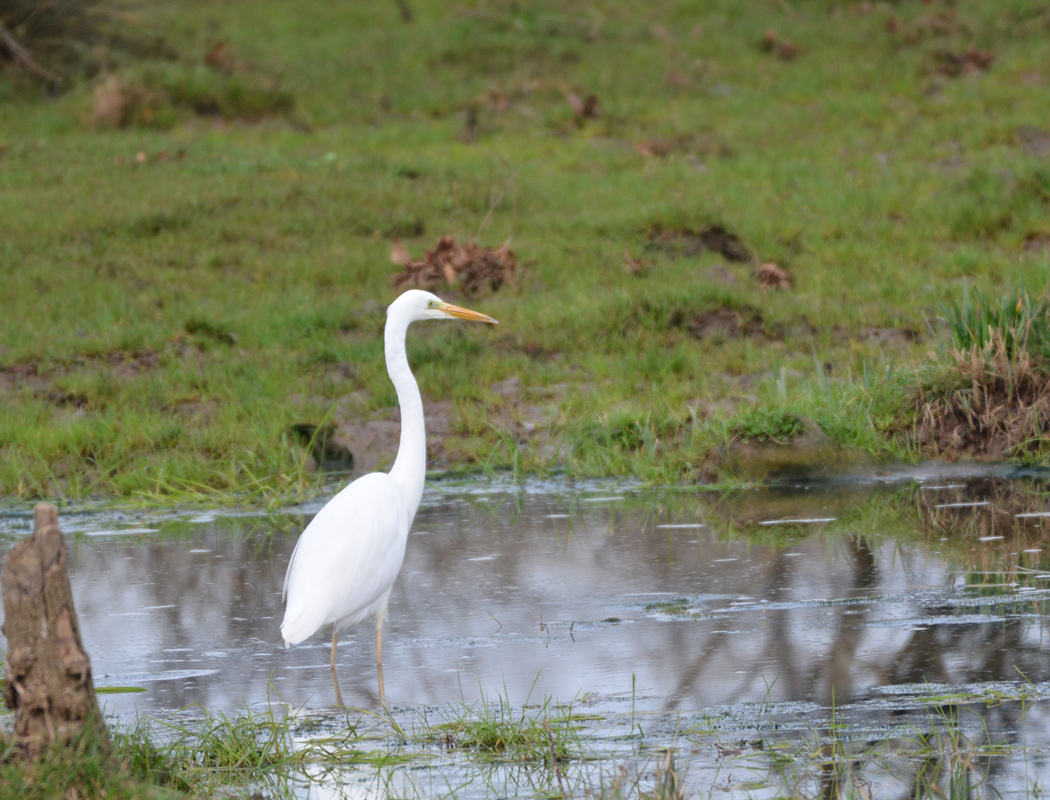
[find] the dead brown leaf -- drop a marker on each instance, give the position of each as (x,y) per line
(109,103)
(467,267)
(781,48)
(654,148)
(773,276)
(584,108)
(635,266)
(969,62)
(495,98)
(912,32)
(220,57)
(676,78)
(399,254)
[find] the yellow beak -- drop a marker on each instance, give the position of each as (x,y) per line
(466,313)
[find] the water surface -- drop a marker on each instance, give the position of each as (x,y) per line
(724,614)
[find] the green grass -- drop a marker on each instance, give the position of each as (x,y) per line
(133,768)
(209,754)
(1021,321)
(545,735)
(180,292)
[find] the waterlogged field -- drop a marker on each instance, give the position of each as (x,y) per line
(868,639)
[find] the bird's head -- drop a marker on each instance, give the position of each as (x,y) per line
(418,305)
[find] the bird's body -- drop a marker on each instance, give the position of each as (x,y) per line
(364,562)
(346,560)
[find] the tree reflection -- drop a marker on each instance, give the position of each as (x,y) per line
(895,599)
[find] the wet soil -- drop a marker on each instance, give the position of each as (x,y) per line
(727,323)
(690,242)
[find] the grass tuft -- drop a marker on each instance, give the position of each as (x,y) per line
(1015,323)
(543,735)
(992,398)
(765,424)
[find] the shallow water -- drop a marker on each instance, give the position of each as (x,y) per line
(702,621)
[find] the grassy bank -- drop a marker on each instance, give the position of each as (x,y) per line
(184,281)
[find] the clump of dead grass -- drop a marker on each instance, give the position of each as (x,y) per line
(992,403)
(467,267)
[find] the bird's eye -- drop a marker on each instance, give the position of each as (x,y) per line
(431,304)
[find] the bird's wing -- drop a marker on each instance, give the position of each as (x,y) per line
(347,557)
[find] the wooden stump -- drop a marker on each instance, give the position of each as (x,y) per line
(49,684)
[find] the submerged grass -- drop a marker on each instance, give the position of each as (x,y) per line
(545,735)
(181,291)
(949,753)
(541,750)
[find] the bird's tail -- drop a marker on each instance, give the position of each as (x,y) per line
(299,626)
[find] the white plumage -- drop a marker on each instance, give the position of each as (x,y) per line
(347,559)
(340,580)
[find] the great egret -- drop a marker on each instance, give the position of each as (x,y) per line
(346,560)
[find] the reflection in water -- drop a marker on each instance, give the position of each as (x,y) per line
(643,602)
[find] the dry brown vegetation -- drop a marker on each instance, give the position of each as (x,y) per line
(995,407)
(466,267)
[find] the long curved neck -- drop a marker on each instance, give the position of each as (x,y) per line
(410,466)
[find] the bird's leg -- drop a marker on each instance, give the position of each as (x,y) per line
(379,661)
(335,680)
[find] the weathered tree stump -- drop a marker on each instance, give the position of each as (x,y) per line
(49,684)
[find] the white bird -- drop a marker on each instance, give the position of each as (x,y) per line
(346,560)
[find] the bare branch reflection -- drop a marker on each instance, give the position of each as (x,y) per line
(674,602)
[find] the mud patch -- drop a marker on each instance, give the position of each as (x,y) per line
(127,365)
(530,348)
(695,145)
(28,374)
(64,398)
(373,444)
(1033,141)
(727,323)
(519,412)
(969,62)
(794,447)
(1037,243)
(780,47)
(688,243)
(896,337)
(327,452)
(41,380)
